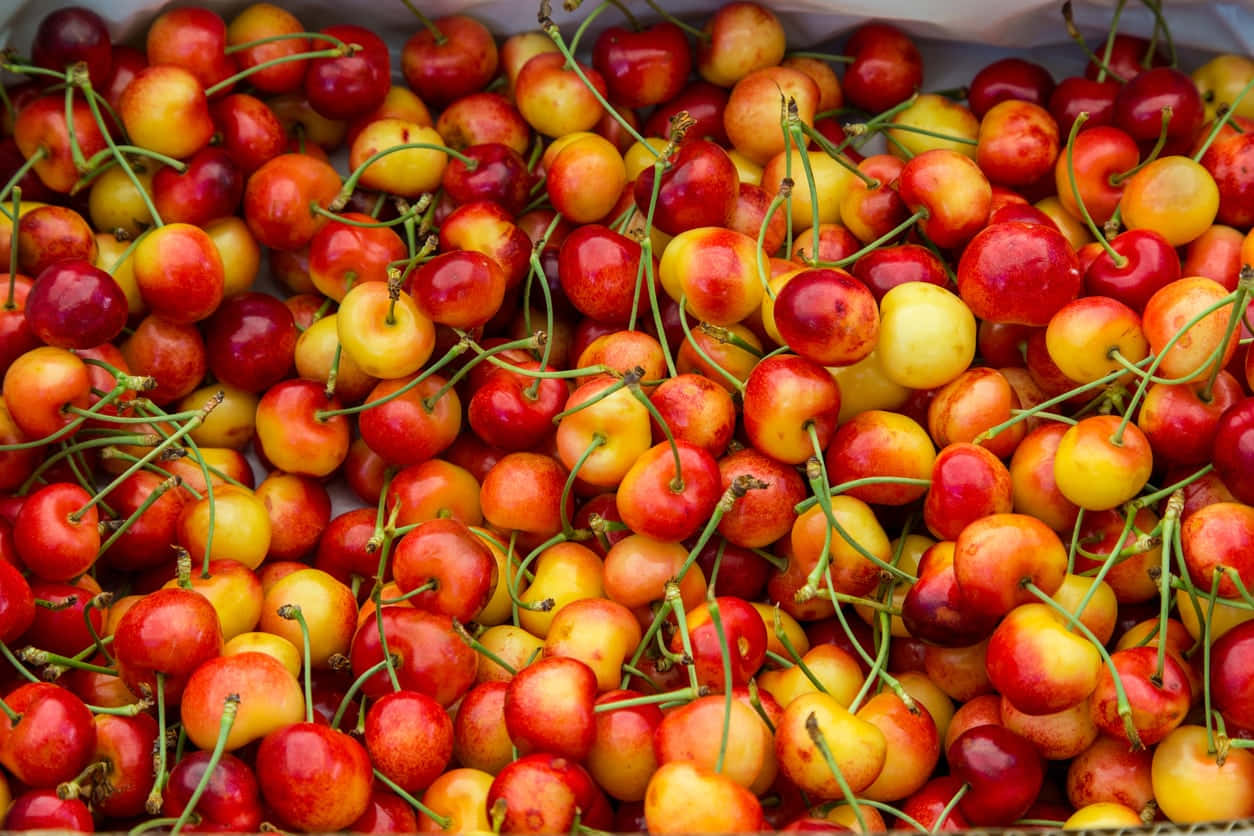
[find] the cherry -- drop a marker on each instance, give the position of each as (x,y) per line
(70,35)
(350,85)
(1004,770)
(73,304)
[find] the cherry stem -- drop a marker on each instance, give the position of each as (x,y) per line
(993,432)
(17,664)
(915,129)
(1244,285)
(699,34)
(1175,507)
(346,191)
(26,166)
(1116,179)
(41,658)
(593,15)
(634,375)
(535,272)
(820,742)
(482,649)
(292,612)
(440,38)
(794,134)
(796,659)
(550,28)
(444,822)
(677,483)
(515,577)
(318,209)
(287,36)
(920,215)
(526,343)
(10,304)
(14,717)
(351,693)
(101,156)
(598,441)
(100,602)
(659,617)
(949,807)
(336,52)
(1224,117)
(1160,27)
(1120,261)
(1149,499)
(78,78)
(716,619)
(192,423)
(833,57)
(155,796)
(1121,696)
(679,694)
(1238,297)
(835,152)
(735,382)
(685,639)
(230,708)
(781,197)
(1108,563)
(816,473)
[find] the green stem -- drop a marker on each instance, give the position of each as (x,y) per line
(224,84)
(1117,179)
(351,693)
(292,612)
(820,742)
(443,822)
(229,709)
(1120,261)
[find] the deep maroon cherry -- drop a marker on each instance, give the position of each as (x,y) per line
(1139,106)
(643,68)
(1076,95)
(1127,58)
(500,175)
(1151,264)
(70,35)
(251,341)
(209,188)
(699,188)
(73,304)
(1009,78)
(351,85)
(1005,772)
(1234,450)
(883,269)
(704,102)
(231,801)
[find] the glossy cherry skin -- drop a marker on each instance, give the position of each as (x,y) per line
(1075,95)
(1009,78)
(698,189)
(351,85)
(643,68)
(54,738)
(441,72)
(886,67)
(17,603)
(251,341)
(73,304)
(315,778)
(597,268)
(1231,675)
(209,187)
(231,801)
(45,810)
(500,175)
(67,36)
(170,632)
(1139,105)
(1229,161)
(1018,272)
(1127,57)
(1152,263)
(883,269)
(1233,455)
(1004,770)
(704,102)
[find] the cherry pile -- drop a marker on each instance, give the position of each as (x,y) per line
(734,443)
